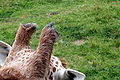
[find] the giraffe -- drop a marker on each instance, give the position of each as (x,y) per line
(23,63)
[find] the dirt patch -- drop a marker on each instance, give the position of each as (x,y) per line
(79,42)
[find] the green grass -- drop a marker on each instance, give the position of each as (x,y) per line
(97,22)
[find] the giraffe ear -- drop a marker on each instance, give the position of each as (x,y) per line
(68,74)
(4,50)
(75,75)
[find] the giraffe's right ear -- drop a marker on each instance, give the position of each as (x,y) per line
(75,75)
(4,50)
(68,74)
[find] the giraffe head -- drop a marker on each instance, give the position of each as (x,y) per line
(38,60)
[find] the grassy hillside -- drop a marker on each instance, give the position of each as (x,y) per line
(89,31)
